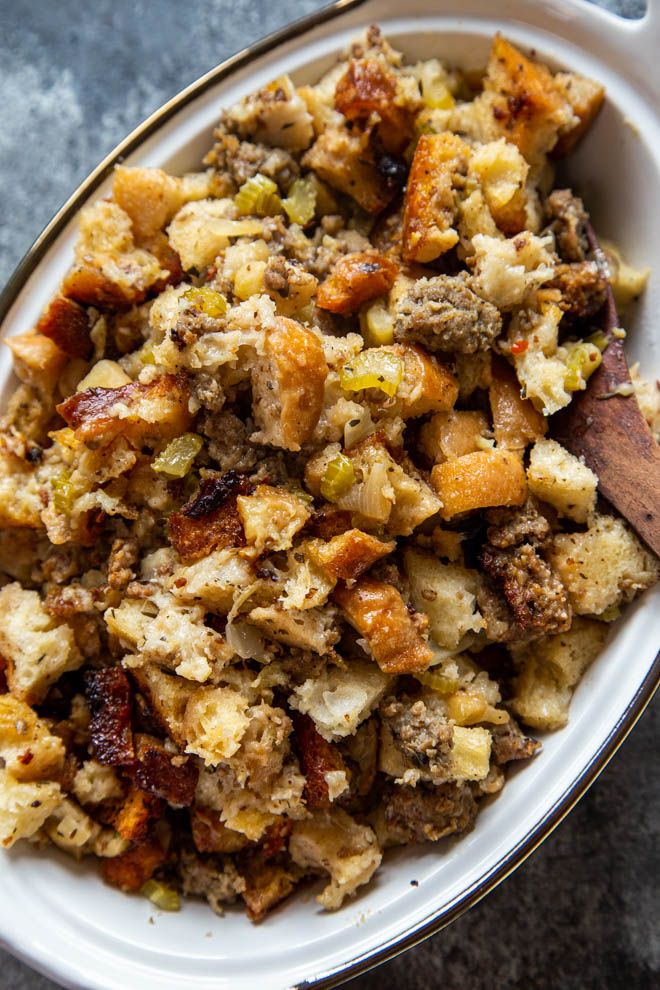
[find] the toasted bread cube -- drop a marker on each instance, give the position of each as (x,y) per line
(136,815)
(167,696)
(549,671)
(452,434)
(354,280)
(274,115)
(478,481)
(379,614)
(214,723)
(130,870)
(149,196)
(20,502)
(67,324)
(334,842)
(288,386)
(201,230)
(368,87)
(430,206)
(339,699)
(340,159)
(556,476)
(604,566)
(446,593)
(271,517)
(37,648)
(349,554)
(528,106)
(24,807)
(38,361)
(157,411)
(470,753)
(427,384)
(308,629)
(94,783)
(28,748)
(502,173)
(214,580)
(585,97)
(516,422)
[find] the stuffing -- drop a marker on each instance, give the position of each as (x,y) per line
(284,542)
(549,670)
(24,806)
(110,271)
(308,629)
(516,422)
(341,159)
(172,633)
(287,384)
(378,613)
(28,749)
(479,480)
(437,173)
(340,698)
(506,271)
(271,517)
(215,580)
(276,115)
(446,594)
(36,648)
(452,434)
(334,843)
(354,280)
(445,314)
(602,567)
(556,476)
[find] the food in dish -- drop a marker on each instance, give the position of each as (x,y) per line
(292,563)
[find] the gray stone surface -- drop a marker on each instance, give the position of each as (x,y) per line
(582,913)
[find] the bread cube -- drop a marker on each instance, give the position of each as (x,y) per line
(470,753)
(480,480)
(341,159)
(354,280)
(24,807)
(452,434)
(604,566)
(37,648)
(564,481)
(27,747)
(271,517)
(340,698)
(446,593)
(431,203)
(214,723)
(516,422)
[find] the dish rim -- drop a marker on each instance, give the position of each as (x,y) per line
(516,856)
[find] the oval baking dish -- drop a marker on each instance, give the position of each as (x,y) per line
(58,916)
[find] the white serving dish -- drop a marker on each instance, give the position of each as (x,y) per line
(58,916)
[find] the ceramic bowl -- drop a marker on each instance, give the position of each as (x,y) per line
(57,915)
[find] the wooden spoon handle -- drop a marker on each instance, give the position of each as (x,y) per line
(610,433)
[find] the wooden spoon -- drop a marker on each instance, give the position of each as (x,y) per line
(610,433)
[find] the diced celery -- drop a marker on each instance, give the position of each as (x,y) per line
(164,897)
(300,204)
(372,369)
(338,478)
(378,325)
(63,492)
(207,300)
(179,455)
(258,197)
(581,362)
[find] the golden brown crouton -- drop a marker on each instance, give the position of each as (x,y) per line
(164,774)
(271,517)
(585,97)
(136,814)
(341,160)
(349,554)
(131,870)
(149,196)
(516,421)
(38,361)
(318,759)
(288,385)
(211,835)
(210,520)
(367,88)
(379,614)
(158,410)
(528,105)
(437,170)
(354,280)
(67,324)
(479,480)
(266,884)
(452,434)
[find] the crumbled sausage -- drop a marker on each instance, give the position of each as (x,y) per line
(413,814)
(511,527)
(533,592)
(445,314)
(567,219)
(583,288)
(420,733)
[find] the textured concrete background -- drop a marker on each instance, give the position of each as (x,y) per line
(582,913)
